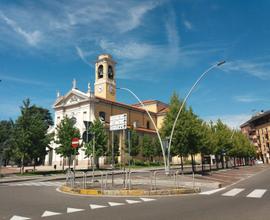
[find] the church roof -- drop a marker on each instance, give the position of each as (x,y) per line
(131,107)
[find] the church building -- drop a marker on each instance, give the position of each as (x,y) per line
(101,104)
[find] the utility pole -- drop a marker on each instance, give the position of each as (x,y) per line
(112,158)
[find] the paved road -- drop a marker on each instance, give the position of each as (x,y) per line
(248,199)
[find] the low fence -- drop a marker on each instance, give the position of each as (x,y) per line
(126,179)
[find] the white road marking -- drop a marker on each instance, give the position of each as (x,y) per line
(49,213)
(93,206)
(115,203)
(132,201)
(71,210)
(16,217)
(210,192)
(36,184)
(233,192)
(257,193)
(147,199)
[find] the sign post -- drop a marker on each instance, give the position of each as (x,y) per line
(75,144)
(117,122)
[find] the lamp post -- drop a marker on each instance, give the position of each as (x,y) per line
(152,120)
(184,102)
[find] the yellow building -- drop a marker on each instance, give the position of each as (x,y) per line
(101,104)
(257,129)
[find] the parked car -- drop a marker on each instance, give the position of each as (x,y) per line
(258,162)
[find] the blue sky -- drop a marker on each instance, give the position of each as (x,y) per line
(160,47)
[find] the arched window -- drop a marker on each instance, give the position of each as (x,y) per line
(102,116)
(148,124)
(110,72)
(100,71)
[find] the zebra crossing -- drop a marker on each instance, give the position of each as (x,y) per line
(254,193)
(31,183)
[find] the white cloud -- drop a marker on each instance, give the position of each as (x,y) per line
(233,121)
(187,24)
(22,80)
(135,15)
(32,38)
(131,50)
(82,55)
(247,99)
(257,68)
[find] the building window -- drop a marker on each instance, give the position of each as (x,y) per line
(110,72)
(148,124)
(100,71)
(135,124)
(102,116)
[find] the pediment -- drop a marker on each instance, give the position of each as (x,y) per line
(71,98)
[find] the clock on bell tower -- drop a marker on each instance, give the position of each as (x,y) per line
(105,86)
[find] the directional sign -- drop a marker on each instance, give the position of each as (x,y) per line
(85,138)
(75,142)
(88,124)
(118,122)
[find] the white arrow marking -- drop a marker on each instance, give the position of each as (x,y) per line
(115,203)
(49,213)
(147,199)
(132,201)
(93,206)
(71,210)
(16,217)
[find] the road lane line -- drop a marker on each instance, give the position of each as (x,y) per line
(257,193)
(210,192)
(233,192)
(16,217)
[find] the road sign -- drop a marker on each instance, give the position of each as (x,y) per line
(88,124)
(84,137)
(75,142)
(118,122)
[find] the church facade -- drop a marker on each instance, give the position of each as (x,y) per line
(101,104)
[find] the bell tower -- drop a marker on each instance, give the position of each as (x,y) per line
(105,86)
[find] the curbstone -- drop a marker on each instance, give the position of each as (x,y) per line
(126,192)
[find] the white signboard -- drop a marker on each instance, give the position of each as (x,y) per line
(118,122)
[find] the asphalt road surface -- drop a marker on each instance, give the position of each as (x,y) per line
(248,199)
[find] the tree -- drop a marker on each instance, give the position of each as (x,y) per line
(65,132)
(6,139)
(194,135)
(147,148)
(241,147)
(30,134)
(222,141)
(99,141)
(115,148)
(179,139)
(135,143)
(207,144)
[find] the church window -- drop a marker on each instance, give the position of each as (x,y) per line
(110,72)
(102,116)
(148,124)
(100,71)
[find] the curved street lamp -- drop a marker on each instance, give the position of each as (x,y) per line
(152,120)
(184,102)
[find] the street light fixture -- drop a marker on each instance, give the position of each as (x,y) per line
(152,120)
(184,102)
